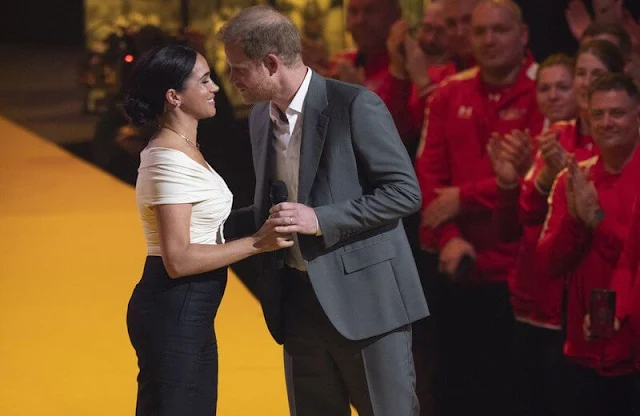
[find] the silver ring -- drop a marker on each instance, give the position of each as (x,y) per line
(290,220)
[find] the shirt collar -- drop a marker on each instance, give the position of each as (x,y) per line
(298,100)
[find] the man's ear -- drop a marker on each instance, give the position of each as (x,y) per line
(271,62)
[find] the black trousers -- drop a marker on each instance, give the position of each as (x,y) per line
(604,396)
(545,381)
(472,328)
(170,324)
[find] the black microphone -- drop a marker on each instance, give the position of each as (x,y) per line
(278,194)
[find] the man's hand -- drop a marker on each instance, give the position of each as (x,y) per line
(554,156)
(587,203)
(572,168)
(417,63)
(395,47)
(578,18)
(291,217)
(604,15)
(506,172)
(452,253)
(517,148)
(344,70)
(586,326)
(445,207)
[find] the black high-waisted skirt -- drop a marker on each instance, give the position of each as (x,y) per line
(170,324)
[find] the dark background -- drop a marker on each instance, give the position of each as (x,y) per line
(61,22)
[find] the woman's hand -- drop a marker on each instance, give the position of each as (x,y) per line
(268,239)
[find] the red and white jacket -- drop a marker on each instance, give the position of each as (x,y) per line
(535,297)
(585,259)
(394,92)
(461,115)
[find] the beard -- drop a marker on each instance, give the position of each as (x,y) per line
(261,91)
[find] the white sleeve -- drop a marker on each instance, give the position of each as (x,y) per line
(167,180)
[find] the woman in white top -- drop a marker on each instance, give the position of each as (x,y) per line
(183,204)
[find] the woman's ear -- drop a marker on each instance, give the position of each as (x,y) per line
(172,97)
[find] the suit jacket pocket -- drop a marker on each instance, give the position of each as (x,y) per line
(369,255)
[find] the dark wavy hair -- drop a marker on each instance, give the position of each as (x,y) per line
(156,72)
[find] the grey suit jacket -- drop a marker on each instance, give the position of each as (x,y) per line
(357,175)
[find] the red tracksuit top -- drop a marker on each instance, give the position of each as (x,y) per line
(394,92)
(626,283)
(460,117)
(418,99)
(586,260)
(535,297)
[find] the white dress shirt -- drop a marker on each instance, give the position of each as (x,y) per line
(286,149)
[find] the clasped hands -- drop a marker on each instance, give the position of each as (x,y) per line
(284,220)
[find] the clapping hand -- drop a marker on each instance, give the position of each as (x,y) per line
(554,156)
(417,63)
(582,196)
(517,148)
(395,47)
(506,172)
(578,18)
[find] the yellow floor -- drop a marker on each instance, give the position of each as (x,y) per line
(71,250)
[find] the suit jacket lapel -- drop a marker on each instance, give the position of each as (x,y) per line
(262,159)
(314,129)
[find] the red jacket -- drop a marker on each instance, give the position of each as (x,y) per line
(394,92)
(535,297)
(461,115)
(418,99)
(626,283)
(586,259)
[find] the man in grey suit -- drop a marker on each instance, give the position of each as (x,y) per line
(343,301)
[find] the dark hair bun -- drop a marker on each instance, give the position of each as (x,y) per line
(155,72)
(139,111)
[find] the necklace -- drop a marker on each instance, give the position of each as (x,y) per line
(196,145)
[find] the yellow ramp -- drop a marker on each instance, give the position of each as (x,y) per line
(71,250)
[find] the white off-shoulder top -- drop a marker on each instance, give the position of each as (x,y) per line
(169,176)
